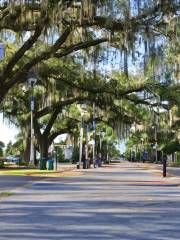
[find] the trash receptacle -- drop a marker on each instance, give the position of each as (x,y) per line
(42,163)
(88,163)
(50,163)
(77,166)
(84,164)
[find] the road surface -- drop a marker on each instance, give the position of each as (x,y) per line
(125,201)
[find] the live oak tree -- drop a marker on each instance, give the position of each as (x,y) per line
(51,100)
(69,26)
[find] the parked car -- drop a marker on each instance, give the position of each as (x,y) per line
(117,159)
(9,158)
(16,159)
(13,159)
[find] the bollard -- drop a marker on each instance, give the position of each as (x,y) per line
(164,165)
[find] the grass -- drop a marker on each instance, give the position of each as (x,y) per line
(39,173)
(5,194)
(174,164)
(27,172)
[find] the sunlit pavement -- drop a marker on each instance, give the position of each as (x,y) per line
(122,201)
(170,170)
(9,182)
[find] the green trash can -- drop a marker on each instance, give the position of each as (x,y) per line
(43,163)
(50,163)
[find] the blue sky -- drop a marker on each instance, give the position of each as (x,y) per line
(7,132)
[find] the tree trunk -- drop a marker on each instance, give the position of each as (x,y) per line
(27,138)
(44,146)
(26,154)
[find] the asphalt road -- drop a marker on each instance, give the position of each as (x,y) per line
(9,182)
(173,170)
(123,202)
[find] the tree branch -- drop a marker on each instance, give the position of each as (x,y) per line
(105,89)
(21,73)
(51,122)
(25,47)
(75,47)
(58,106)
(57,133)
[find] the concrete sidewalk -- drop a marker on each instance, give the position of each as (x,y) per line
(122,201)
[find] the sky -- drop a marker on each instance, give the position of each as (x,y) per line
(7,132)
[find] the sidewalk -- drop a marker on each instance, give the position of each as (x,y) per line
(126,201)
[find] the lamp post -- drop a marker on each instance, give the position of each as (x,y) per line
(101,135)
(55,156)
(86,147)
(155,127)
(94,134)
(107,155)
(32,81)
(133,130)
(155,139)
(82,108)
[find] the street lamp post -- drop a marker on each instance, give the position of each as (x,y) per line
(101,135)
(158,100)
(155,142)
(82,110)
(55,156)
(32,81)
(81,140)
(155,139)
(86,149)
(94,134)
(107,155)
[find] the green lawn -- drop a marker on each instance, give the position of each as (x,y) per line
(174,164)
(5,194)
(25,172)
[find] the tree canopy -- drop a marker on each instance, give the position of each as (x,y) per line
(117,54)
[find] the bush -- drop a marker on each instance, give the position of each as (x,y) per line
(1,163)
(60,155)
(75,155)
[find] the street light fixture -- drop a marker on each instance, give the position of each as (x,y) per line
(32,81)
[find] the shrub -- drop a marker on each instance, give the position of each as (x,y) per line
(75,155)
(1,163)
